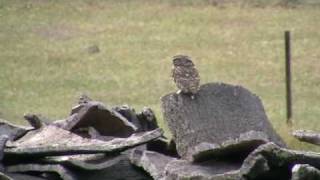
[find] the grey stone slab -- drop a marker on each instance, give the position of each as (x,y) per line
(219,113)
(305,172)
(307,136)
(270,161)
(209,170)
(87,161)
(52,140)
(11,130)
(105,120)
(152,162)
(64,173)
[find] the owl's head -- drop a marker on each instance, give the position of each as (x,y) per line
(182,60)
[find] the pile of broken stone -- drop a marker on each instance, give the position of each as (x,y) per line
(221,133)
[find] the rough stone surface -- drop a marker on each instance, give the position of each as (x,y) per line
(5,177)
(307,136)
(305,172)
(209,170)
(3,141)
(239,147)
(219,113)
(123,170)
(144,120)
(60,170)
(35,120)
(11,130)
(52,140)
(87,161)
(105,120)
(269,161)
(152,162)
(130,114)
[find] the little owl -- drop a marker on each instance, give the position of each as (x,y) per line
(185,75)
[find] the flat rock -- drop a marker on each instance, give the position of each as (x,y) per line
(209,170)
(105,120)
(64,173)
(305,172)
(52,140)
(152,162)
(307,136)
(144,120)
(86,161)
(219,113)
(5,177)
(270,161)
(123,170)
(11,130)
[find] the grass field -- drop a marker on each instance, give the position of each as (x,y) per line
(45,64)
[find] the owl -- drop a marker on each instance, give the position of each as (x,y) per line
(185,75)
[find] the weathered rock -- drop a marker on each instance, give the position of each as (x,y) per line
(3,141)
(305,172)
(144,120)
(11,130)
(307,136)
(219,113)
(163,146)
(130,114)
(148,120)
(87,161)
(152,162)
(21,176)
(52,140)
(5,177)
(105,120)
(269,161)
(209,170)
(239,147)
(94,134)
(64,173)
(35,120)
(123,170)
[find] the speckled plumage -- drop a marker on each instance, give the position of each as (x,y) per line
(185,75)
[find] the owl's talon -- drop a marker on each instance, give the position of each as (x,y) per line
(179,91)
(192,97)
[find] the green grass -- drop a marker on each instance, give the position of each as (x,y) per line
(44,64)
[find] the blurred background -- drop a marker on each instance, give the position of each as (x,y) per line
(120,51)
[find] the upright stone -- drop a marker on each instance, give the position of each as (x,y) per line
(220,116)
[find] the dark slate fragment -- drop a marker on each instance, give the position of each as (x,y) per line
(208,170)
(3,141)
(148,119)
(64,173)
(152,162)
(123,170)
(218,113)
(239,147)
(305,172)
(270,161)
(52,140)
(5,177)
(130,114)
(144,120)
(307,136)
(86,161)
(35,120)
(105,120)
(12,131)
